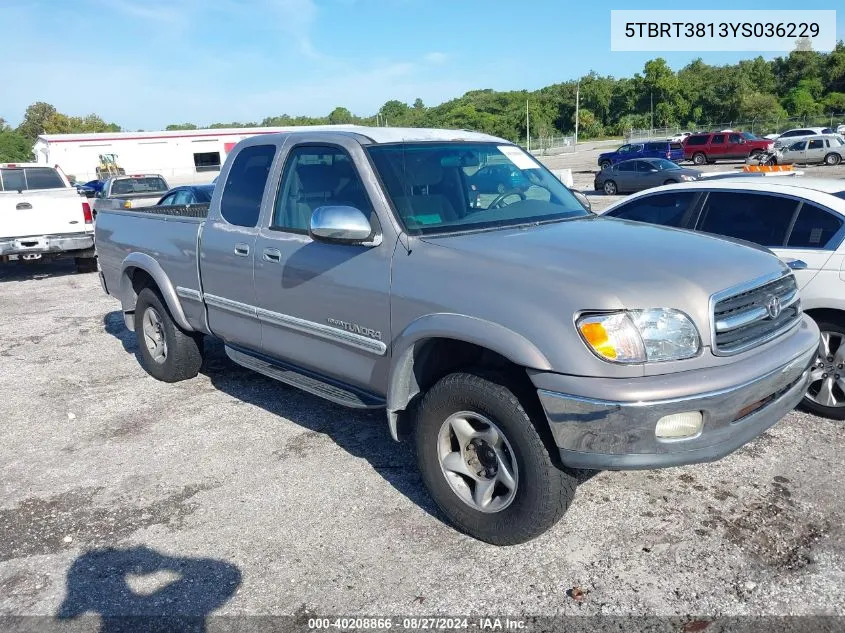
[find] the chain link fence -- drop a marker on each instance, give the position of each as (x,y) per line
(549,145)
(759,126)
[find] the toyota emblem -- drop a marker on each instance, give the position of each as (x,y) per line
(773,307)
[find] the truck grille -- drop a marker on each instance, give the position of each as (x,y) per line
(752,317)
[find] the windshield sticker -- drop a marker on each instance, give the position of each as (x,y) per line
(518,157)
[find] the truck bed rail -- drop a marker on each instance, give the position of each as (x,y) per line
(179,210)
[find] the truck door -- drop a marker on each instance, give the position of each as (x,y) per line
(736,146)
(323,306)
(227,246)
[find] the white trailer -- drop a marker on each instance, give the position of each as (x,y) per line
(183,157)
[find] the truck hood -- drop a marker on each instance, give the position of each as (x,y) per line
(606,263)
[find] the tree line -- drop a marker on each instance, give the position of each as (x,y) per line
(804,83)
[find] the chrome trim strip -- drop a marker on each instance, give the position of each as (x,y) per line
(323,331)
(227,304)
(300,325)
(188,293)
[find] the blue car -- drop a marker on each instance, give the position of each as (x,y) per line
(646,149)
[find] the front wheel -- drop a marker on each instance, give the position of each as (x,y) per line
(826,394)
(610,188)
(699,158)
(485,463)
(167,352)
(832,159)
(670,182)
(755,153)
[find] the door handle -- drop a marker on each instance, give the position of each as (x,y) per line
(272,255)
(242,250)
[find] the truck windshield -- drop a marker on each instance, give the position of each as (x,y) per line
(452,186)
(26,178)
(140,184)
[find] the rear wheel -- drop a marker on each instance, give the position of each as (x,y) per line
(485,463)
(167,352)
(832,159)
(606,164)
(826,394)
(699,159)
(610,188)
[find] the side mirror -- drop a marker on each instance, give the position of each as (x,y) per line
(340,224)
(585,202)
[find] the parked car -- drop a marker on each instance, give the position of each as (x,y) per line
(828,149)
(510,341)
(708,148)
(647,149)
(840,129)
(802,220)
(798,133)
(90,188)
(497,178)
(42,217)
(188,194)
(641,173)
(678,138)
(130,192)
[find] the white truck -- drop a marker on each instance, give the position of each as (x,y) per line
(43,217)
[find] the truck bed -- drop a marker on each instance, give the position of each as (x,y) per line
(168,235)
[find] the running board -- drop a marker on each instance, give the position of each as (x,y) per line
(307,381)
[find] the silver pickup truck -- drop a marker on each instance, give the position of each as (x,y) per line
(513,334)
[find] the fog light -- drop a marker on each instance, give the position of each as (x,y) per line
(679,425)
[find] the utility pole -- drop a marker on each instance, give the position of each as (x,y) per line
(577,99)
(527,127)
(651,110)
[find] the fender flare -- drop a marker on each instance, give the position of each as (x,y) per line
(128,298)
(402,384)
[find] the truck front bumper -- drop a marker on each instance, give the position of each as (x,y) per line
(738,402)
(14,247)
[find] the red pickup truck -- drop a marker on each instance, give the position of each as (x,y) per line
(708,148)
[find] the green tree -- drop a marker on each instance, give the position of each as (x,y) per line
(180,126)
(834,103)
(340,115)
(35,119)
(14,147)
(800,102)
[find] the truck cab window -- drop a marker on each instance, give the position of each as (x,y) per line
(316,176)
(241,201)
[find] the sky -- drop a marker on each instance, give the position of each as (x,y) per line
(146,64)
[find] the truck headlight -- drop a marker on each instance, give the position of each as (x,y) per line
(639,336)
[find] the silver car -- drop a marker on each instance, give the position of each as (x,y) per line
(642,173)
(821,148)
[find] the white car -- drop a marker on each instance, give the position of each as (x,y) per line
(828,149)
(801,220)
(43,217)
(801,132)
(678,138)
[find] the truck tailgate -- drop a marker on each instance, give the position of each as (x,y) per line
(45,212)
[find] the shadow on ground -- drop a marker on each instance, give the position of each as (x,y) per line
(20,271)
(140,590)
(362,433)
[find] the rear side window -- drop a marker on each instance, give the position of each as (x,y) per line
(628,165)
(760,218)
(718,139)
(827,130)
(21,179)
(697,140)
(816,143)
(814,227)
(241,201)
(666,209)
(675,146)
(656,147)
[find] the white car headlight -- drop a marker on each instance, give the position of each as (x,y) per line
(639,336)
(685,177)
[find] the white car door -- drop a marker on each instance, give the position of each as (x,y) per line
(810,250)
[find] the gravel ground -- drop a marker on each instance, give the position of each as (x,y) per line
(250,497)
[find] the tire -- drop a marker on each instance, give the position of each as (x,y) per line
(606,164)
(500,188)
(86,264)
(670,182)
(699,159)
(182,351)
(610,188)
(541,493)
(832,159)
(832,330)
